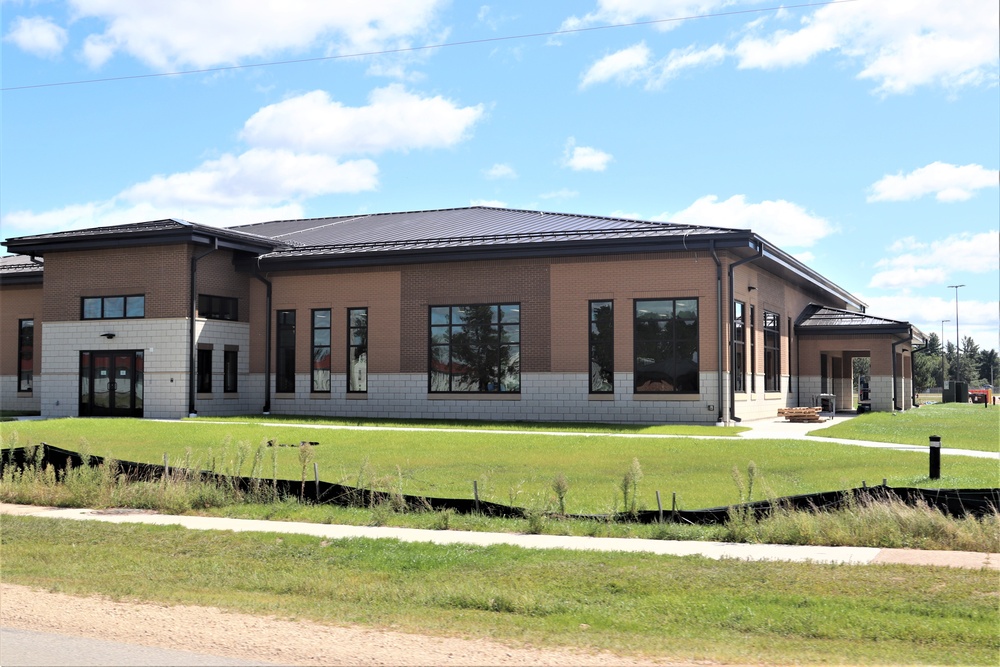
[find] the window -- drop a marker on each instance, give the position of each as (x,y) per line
(113,307)
(772,352)
(218,307)
(285,357)
(753,349)
(204,370)
(230,371)
(475,348)
(666,346)
(25,354)
(321,351)
(602,347)
(739,346)
(357,350)
(789,355)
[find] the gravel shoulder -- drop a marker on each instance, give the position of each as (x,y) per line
(266,639)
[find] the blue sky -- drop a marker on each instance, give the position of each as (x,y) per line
(862,137)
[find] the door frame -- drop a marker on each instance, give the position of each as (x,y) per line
(136,394)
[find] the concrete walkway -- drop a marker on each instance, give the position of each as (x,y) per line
(716,550)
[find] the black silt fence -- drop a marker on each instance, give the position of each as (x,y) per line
(952,502)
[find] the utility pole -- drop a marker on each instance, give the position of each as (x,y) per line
(942,353)
(958,341)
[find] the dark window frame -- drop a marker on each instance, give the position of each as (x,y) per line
(501,375)
(204,370)
(772,351)
(739,346)
(230,371)
(601,348)
(284,375)
(357,347)
(213,307)
(316,383)
(26,353)
(790,355)
(753,349)
(687,381)
(103,309)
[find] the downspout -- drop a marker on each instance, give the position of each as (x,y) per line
(718,301)
(193,357)
(267,344)
(732,350)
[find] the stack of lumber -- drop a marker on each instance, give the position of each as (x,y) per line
(800,415)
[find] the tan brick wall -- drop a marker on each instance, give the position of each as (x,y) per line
(668,276)
(19,302)
(162,273)
(375,289)
(467,283)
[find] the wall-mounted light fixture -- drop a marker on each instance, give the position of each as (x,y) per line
(109,335)
(751,288)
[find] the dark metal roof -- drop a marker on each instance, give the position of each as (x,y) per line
(816,319)
(141,233)
(18,269)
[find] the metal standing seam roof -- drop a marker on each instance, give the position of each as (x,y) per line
(824,320)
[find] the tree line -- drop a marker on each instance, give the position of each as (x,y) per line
(932,365)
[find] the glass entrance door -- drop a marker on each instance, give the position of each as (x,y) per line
(111,383)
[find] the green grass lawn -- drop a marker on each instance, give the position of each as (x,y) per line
(689,609)
(960,425)
(510,468)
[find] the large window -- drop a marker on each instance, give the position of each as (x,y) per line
(321,350)
(218,307)
(666,346)
(113,307)
(204,370)
(357,350)
(772,352)
(284,381)
(230,371)
(739,346)
(753,349)
(475,348)
(25,354)
(602,347)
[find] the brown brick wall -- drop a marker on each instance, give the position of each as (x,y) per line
(668,276)
(375,289)
(218,277)
(467,283)
(19,302)
(162,273)
(878,347)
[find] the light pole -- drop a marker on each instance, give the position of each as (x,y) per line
(958,341)
(942,353)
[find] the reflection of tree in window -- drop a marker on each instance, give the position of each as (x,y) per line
(666,346)
(357,350)
(602,346)
(772,352)
(475,348)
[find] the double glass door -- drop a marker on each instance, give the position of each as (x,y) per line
(111,383)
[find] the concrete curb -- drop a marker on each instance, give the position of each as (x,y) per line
(714,550)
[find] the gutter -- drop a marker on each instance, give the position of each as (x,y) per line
(718,318)
(732,349)
(193,356)
(267,343)
(908,339)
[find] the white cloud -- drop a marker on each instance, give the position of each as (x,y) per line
(564,193)
(492,203)
(977,319)
(948,183)
(630,11)
(915,264)
(624,66)
(899,45)
(584,158)
(783,223)
(193,33)
(394,119)
(679,60)
(500,171)
(38,36)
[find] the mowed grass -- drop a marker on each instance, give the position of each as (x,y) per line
(960,426)
(510,468)
(682,608)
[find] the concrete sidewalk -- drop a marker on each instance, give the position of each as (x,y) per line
(715,550)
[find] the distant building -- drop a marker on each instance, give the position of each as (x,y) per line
(470,313)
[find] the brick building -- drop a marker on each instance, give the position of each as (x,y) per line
(471,313)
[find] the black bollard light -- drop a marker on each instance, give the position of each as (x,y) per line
(935,472)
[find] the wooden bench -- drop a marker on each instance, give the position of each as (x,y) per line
(802,415)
